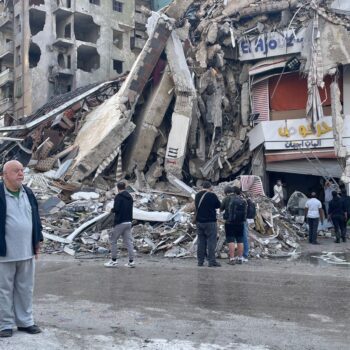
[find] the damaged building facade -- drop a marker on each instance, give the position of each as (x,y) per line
(222,89)
(298,92)
(51,47)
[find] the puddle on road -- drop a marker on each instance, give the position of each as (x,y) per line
(327,258)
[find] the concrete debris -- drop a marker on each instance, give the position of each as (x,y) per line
(162,224)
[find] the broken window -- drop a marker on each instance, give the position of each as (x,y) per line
(118,39)
(36,21)
(95,2)
(18,23)
(63,84)
(36,2)
(67,31)
(118,66)
(34,55)
(60,60)
(63,27)
(18,56)
(85,29)
(117,6)
(88,58)
(64,61)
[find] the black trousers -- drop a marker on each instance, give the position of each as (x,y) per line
(339,226)
(313,226)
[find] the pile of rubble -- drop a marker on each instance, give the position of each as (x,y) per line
(78,223)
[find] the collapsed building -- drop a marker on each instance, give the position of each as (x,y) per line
(220,89)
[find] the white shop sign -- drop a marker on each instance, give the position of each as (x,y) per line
(271,44)
(296,134)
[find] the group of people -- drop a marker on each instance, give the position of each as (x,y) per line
(337,211)
(236,210)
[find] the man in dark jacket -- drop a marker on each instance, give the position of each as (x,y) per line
(337,213)
(206,204)
(20,237)
(123,204)
(234,225)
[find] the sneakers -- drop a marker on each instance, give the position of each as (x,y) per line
(130,264)
(214,264)
(245,259)
(232,262)
(111,263)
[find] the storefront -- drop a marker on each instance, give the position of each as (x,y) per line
(293,153)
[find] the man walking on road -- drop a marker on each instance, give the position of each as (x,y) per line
(337,213)
(313,213)
(20,237)
(123,204)
(206,204)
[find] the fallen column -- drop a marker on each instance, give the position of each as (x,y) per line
(110,124)
(185,99)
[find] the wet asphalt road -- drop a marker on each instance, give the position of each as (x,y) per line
(165,304)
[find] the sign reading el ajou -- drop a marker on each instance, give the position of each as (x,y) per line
(271,44)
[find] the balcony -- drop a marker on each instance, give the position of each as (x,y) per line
(62,12)
(6,77)
(63,42)
(5,21)
(65,71)
(6,52)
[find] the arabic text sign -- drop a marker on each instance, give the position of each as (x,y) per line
(271,44)
(296,134)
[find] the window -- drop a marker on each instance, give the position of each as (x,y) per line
(19,87)
(117,6)
(95,2)
(118,66)
(18,56)
(69,62)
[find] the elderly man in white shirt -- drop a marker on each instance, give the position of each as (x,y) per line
(313,213)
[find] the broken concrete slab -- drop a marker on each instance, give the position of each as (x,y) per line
(110,124)
(154,216)
(148,122)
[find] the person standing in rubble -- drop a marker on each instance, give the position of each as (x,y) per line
(20,237)
(278,194)
(123,205)
(327,195)
(337,213)
(235,215)
(313,213)
(206,203)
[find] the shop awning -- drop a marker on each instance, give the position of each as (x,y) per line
(325,167)
(267,65)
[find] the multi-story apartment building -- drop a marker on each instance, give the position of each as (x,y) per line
(50,47)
